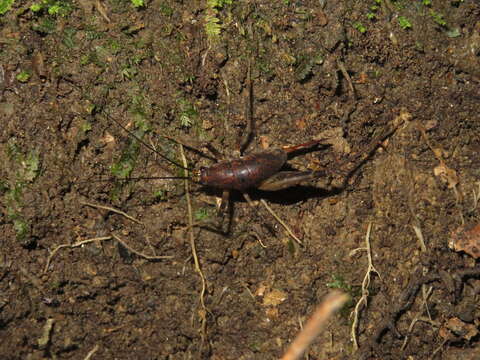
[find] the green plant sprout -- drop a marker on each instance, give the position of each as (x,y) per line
(138,3)
(36,7)
(213,26)
(201,214)
(372,14)
(187,114)
(438,18)
(404,23)
(159,195)
(218,4)
(338,282)
(360,27)
(23,76)
(166,10)
(52,7)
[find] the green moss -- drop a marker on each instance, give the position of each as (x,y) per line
(36,7)
(338,282)
(69,37)
(305,66)
(5,5)
(44,26)
(23,76)
(201,214)
(165,10)
(24,170)
(159,195)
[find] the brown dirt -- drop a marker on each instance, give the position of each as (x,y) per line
(160,65)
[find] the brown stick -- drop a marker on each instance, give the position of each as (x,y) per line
(331,303)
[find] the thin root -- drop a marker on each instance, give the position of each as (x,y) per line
(365,284)
(77,244)
(120,212)
(198,269)
(145,256)
(103,238)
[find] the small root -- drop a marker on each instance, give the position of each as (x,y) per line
(103,238)
(120,212)
(203,311)
(362,303)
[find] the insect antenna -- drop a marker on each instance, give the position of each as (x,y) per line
(131,133)
(110,179)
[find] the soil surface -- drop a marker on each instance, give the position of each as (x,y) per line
(82,82)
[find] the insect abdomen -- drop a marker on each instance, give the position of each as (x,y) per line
(243,173)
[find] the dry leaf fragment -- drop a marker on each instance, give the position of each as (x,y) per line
(447,175)
(274,298)
(207,124)
(466,239)
(38,64)
(456,329)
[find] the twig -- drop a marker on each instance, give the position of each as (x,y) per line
(91,352)
(331,303)
(365,284)
(476,197)
(198,269)
(438,349)
(347,77)
(101,9)
(419,233)
(112,210)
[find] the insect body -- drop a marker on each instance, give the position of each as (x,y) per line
(258,170)
(243,173)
